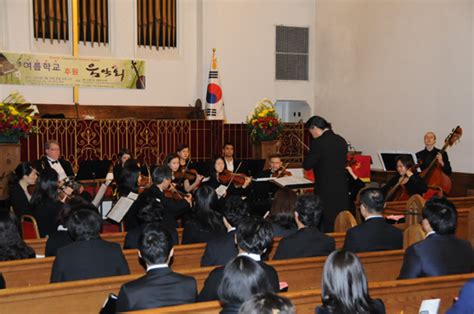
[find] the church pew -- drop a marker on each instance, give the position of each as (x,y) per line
(402,296)
(18,273)
(89,295)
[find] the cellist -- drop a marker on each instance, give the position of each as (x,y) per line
(426,156)
(405,183)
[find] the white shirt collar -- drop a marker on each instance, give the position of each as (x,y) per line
(430,233)
(61,228)
(373,216)
(255,257)
(156,266)
(231,229)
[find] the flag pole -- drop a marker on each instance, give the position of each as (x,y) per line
(75,50)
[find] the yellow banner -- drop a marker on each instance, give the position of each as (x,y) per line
(37,69)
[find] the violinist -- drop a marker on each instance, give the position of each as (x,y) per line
(427,155)
(237,183)
(276,170)
(54,160)
(406,179)
(172,162)
(22,177)
(161,182)
(186,169)
(123,155)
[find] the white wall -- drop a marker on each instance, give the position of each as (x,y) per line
(388,71)
(243,31)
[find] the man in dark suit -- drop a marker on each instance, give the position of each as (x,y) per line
(254,236)
(223,249)
(172,208)
(374,234)
(327,157)
(88,256)
(160,286)
(440,253)
(54,160)
(427,155)
(308,241)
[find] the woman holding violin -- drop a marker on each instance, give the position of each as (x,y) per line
(180,177)
(236,183)
(405,183)
(186,171)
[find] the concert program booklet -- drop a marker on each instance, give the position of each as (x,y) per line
(121,208)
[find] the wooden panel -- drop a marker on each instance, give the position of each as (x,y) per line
(18,273)
(117,112)
(463,183)
(88,295)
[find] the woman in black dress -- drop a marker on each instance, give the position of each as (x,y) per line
(23,176)
(341,295)
(206,223)
(46,202)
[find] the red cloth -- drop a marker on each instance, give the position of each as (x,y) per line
(361,166)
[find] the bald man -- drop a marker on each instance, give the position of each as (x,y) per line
(426,156)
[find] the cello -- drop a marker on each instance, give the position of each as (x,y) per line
(433,174)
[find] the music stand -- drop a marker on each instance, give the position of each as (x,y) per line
(387,159)
(93,169)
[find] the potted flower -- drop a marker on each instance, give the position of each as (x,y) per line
(16,119)
(263,123)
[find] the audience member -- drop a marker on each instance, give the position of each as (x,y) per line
(88,256)
(441,252)
(151,213)
(23,176)
(160,286)
(282,213)
(45,202)
(308,241)
(61,236)
(12,246)
(222,250)
(206,223)
(465,302)
(344,287)
(267,303)
(242,278)
(374,234)
(254,237)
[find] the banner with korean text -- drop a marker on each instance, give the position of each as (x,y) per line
(38,69)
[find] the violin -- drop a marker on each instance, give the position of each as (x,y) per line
(227,177)
(281,172)
(174,193)
(186,174)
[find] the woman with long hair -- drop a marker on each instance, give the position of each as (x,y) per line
(185,165)
(282,213)
(22,177)
(206,222)
(344,288)
(242,279)
(45,202)
(12,246)
(129,177)
(123,155)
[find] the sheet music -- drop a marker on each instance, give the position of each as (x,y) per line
(100,195)
(263,179)
(430,306)
(221,189)
(122,207)
(291,180)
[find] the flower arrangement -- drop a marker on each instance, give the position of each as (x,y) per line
(263,123)
(16,116)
